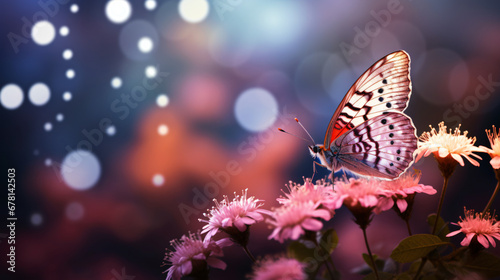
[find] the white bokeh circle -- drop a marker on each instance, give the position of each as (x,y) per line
(256,109)
(11,96)
(43,32)
(39,94)
(80,170)
(118,11)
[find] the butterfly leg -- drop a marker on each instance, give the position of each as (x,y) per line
(314,168)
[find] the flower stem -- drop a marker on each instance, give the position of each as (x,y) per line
(495,192)
(249,254)
(441,199)
(408,227)
(326,261)
(370,252)
(424,260)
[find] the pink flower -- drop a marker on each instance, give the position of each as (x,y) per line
(320,193)
(233,217)
(474,225)
(443,144)
(358,192)
(291,220)
(406,185)
(495,147)
(279,269)
(191,255)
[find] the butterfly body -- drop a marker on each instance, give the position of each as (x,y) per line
(369,134)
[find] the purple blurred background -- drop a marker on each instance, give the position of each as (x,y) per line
(179,101)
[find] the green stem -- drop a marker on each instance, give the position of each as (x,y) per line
(491,199)
(441,199)
(370,252)
(248,253)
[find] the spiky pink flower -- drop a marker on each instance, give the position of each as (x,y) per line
(406,185)
(279,269)
(191,255)
(290,221)
(321,193)
(495,147)
(362,192)
(443,144)
(233,216)
(485,229)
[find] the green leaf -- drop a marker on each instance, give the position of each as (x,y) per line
(329,240)
(416,246)
(484,263)
(378,262)
(299,251)
(442,227)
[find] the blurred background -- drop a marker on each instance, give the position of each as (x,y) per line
(124,119)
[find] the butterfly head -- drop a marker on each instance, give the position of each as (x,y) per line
(315,150)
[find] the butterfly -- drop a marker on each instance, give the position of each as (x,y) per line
(369,134)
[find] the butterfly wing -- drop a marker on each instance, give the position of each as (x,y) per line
(383,146)
(384,86)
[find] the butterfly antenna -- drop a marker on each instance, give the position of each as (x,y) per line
(293,134)
(297,120)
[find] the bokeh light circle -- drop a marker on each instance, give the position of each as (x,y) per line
(39,94)
(193,11)
(116,82)
(111,130)
(47,126)
(43,32)
(70,73)
(163,129)
(59,117)
(80,169)
(36,219)
(74,211)
(74,8)
(64,31)
(150,4)
(256,109)
(11,96)
(130,36)
(145,44)
(118,11)
(48,162)
(162,100)
(150,71)
(67,96)
(158,180)
(67,54)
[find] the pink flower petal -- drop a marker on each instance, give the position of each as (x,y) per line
(224,242)
(296,232)
(240,224)
(312,224)
(491,240)
(322,213)
(226,222)
(247,220)
(256,216)
(442,152)
(402,204)
(214,262)
(483,241)
(453,233)
(458,158)
(186,268)
(474,162)
(495,162)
